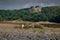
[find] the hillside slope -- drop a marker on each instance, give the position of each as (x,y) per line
(28,14)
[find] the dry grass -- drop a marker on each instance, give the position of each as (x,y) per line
(38,28)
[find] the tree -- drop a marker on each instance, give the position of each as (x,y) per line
(1,18)
(55,19)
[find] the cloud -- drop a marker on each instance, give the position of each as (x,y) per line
(38,4)
(50,4)
(18,4)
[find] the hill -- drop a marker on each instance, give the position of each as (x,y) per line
(52,12)
(28,14)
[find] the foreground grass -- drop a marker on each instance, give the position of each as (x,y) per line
(39,28)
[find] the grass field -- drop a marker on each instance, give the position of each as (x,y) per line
(40,26)
(13,31)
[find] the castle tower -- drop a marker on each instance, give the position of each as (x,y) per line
(37,9)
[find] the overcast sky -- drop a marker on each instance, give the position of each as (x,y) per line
(18,4)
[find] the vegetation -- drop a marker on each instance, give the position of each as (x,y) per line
(27,14)
(55,19)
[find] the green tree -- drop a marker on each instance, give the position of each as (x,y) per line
(1,18)
(55,19)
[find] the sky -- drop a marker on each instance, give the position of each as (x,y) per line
(19,4)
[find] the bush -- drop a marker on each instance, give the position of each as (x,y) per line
(55,19)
